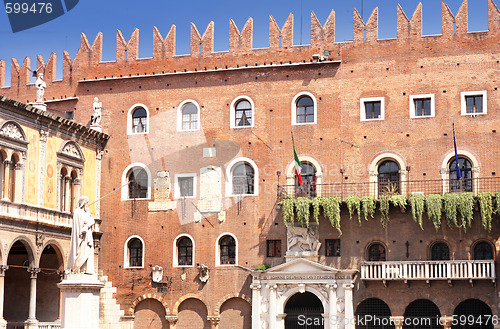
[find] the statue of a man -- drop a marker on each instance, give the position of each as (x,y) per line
(96,114)
(81,252)
(40,88)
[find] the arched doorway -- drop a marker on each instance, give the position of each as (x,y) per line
(422,314)
(235,313)
(47,297)
(150,314)
(17,283)
(371,309)
(192,314)
(303,310)
(473,314)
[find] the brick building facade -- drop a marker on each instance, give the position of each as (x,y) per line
(201,153)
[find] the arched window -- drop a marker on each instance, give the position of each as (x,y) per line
(464,183)
(190,116)
(2,173)
(376,252)
(476,310)
(135,252)
(184,251)
(243,179)
(483,251)
(388,177)
(308,186)
(440,251)
(139,121)
(12,168)
(305,110)
(137,183)
(227,250)
(243,113)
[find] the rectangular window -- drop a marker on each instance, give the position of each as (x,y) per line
(332,247)
(185,186)
(273,248)
(422,106)
(473,103)
(372,108)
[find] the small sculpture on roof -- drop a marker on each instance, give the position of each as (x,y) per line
(40,86)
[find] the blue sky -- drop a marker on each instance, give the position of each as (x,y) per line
(91,17)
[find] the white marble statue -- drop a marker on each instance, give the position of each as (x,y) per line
(40,88)
(96,113)
(81,253)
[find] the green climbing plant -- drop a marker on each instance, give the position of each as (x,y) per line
(466,208)
(331,209)
(303,206)
(417,207)
(354,205)
(368,206)
(287,209)
(434,206)
(316,202)
(451,209)
(497,200)
(486,208)
(384,209)
(398,200)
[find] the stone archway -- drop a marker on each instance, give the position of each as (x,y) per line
(150,314)
(48,294)
(304,310)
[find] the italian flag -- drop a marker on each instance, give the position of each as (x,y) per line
(298,166)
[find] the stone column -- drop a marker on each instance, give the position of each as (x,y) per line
(3,268)
(255,304)
(18,177)
(32,322)
(67,194)
(398,321)
(172,320)
(44,134)
(75,193)
(349,306)
(97,205)
(214,321)
(272,306)
(332,306)
(6,179)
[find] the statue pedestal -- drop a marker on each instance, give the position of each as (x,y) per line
(80,301)
(40,106)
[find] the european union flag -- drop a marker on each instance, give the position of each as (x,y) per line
(459,174)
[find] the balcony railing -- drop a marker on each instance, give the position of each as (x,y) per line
(35,214)
(429,270)
(439,186)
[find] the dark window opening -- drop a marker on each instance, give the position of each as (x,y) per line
(376,252)
(422,313)
(185,251)
(373,110)
(273,248)
(243,179)
(388,178)
(138,183)
(464,184)
(371,309)
(473,314)
(305,109)
(422,107)
(186,186)
(243,113)
(227,250)
(483,251)
(440,251)
(332,247)
(135,252)
(139,120)
(474,104)
(308,186)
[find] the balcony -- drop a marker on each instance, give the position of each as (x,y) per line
(34,214)
(439,186)
(429,270)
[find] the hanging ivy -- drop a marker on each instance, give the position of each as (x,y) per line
(434,206)
(398,200)
(417,207)
(486,207)
(384,209)
(368,206)
(450,209)
(302,206)
(354,204)
(466,208)
(331,209)
(316,202)
(287,208)
(497,199)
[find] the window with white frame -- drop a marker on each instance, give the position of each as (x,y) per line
(185,186)
(242,112)
(372,108)
(227,250)
(188,116)
(304,109)
(138,120)
(134,252)
(184,251)
(473,102)
(422,106)
(136,182)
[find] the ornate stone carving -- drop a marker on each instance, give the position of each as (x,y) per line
(264,324)
(282,288)
(39,239)
(214,320)
(203,275)
(99,154)
(157,273)
(33,272)
(302,239)
(71,150)
(44,134)
(264,305)
(162,186)
(11,130)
